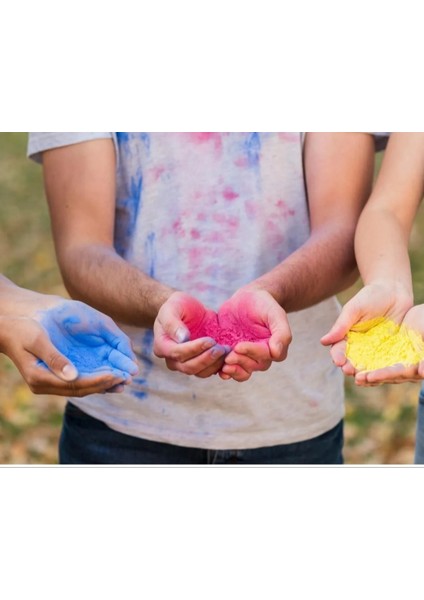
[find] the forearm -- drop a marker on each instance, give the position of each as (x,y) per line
(322,267)
(381,241)
(16,301)
(98,276)
(381,246)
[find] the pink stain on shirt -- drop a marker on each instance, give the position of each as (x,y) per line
(229,193)
(156,172)
(241,162)
(289,136)
(206,137)
(284,209)
(251,209)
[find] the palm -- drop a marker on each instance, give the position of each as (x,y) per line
(90,340)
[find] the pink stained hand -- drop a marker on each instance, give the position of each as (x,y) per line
(257,329)
(181,337)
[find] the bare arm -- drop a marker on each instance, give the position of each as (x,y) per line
(80,187)
(381,241)
(339,169)
(381,245)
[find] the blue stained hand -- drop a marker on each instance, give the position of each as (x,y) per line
(89,339)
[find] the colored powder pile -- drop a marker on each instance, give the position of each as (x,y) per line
(227,332)
(382,343)
(229,336)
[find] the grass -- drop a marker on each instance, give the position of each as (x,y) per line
(380,421)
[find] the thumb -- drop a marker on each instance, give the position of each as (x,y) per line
(172,325)
(346,319)
(281,335)
(56,362)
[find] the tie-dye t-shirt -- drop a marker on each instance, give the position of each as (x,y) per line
(207,213)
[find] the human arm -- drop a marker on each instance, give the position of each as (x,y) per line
(42,333)
(381,243)
(338,171)
(80,187)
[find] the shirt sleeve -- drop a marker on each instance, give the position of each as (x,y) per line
(38,142)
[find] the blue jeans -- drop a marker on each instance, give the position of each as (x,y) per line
(419,438)
(85,440)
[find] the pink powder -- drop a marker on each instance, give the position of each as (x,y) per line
(227,330)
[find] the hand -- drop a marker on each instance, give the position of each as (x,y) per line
(254,316)
(181,338)
(414,319)
(371,302)
(67,348)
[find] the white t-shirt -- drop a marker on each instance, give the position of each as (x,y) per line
(207,213)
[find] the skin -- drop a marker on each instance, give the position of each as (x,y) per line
(25,319)
(381,246)
(80,187)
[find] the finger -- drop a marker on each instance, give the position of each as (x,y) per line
(248,364)
(199,363)
(167,348)
(394,374)
(42,381)
(344,322)
(118,340)
(224,376)
(338,353)
(348,369)
(172,325)
(116,389)
(42,348)
(281,335)
(123,362)
(257,351)
(212,370)
(236,372)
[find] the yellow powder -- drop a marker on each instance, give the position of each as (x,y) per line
(381,343)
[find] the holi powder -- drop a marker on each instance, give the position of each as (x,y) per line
(227,330)
(382,343)
(81,335)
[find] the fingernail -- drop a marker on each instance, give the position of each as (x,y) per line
(208,344)
(69,372)
(218,351)
(182,335)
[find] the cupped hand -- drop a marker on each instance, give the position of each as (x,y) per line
(181,338)
(377,300)
(68,348)
(399,373)
(258,332)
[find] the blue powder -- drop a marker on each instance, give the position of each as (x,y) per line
(78,333)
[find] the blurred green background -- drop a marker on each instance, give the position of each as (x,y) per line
(380,421)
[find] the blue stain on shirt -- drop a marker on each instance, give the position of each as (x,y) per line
(127,210)
(148,337)
(147,364)
(123,137)
(150,249)
(145,138)
(253,147)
